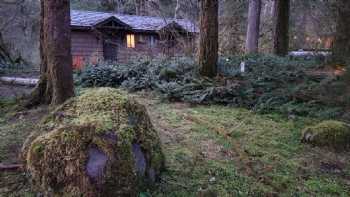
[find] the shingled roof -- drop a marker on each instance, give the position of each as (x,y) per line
(89,19)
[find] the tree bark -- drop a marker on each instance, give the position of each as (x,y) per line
(56,81)
(281,27)
(252,39)
(341,48)
(208,39)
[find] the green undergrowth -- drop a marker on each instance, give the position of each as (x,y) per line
(15,126)
(235,152)
(270,84)
(214,151)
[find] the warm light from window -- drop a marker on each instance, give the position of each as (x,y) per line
(130,40)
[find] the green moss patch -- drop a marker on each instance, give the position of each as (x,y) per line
(222,151)
(331,133)
(99,143)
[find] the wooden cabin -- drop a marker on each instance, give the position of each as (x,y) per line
(100,36)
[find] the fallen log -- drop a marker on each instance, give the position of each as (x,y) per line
(11,167)
(19,81)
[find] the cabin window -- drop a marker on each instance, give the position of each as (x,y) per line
(130,40)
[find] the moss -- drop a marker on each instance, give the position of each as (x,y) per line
(328,133)
(104,120)
(38,149)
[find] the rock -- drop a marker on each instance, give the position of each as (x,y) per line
(330,133)
(103,145)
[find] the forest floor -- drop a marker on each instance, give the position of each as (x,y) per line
(209,150)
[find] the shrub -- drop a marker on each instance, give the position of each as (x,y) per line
(270,83)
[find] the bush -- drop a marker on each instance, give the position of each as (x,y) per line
(137,75)
(270,83)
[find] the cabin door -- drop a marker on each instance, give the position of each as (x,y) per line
(110,50)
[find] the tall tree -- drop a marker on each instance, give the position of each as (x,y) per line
(341,46)
(252,39)
(281,27)
(208,39)
(56,81)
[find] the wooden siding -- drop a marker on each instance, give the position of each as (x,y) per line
(86,48)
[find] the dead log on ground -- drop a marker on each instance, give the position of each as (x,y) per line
(10,167)
(19,81)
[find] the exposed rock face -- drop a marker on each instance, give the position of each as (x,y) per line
(19,30)
(328,133)
(101,143)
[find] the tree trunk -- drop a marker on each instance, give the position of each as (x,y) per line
(252,39)
(341,48)
(56,81)
(208,39)
(281,27)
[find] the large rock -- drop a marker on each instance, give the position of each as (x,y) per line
(100,143)
(331,133)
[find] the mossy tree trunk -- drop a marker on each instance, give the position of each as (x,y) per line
(56,81)
(281,27)
(252,39)
(341,48)
(208,39)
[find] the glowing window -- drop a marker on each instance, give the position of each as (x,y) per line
(130,40)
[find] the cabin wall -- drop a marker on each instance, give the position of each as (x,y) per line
(143,47)
(86,48)
(184,46)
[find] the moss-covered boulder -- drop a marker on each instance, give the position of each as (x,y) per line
(100,143)
(331,133)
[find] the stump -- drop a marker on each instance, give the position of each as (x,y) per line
(101,143)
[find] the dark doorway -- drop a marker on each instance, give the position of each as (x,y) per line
(110,50)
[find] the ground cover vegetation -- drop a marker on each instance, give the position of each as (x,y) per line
(269,83)
(210,150)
